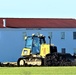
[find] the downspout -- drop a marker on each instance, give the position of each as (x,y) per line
(4,22)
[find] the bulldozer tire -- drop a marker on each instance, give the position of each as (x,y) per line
(21,62)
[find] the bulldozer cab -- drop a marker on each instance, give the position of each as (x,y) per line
(37,41)
(33,43)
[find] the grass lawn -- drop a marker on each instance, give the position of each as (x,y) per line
(37,70)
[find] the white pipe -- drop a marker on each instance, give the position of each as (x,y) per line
(4,22)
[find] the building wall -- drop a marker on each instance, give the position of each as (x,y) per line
(12,42)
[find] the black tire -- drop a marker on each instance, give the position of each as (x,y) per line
(19,60)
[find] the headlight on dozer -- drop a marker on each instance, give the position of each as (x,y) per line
(25,52)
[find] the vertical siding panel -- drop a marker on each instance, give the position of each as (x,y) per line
(1,23)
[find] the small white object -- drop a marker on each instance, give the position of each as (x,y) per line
(4,22)
(41,35)
(33,34)
(25,51)
(25,37)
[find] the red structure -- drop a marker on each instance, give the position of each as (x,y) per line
(1,23)
(38,23)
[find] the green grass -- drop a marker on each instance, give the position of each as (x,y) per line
(37,70)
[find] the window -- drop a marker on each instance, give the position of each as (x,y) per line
(74,51)
(74,35)
(63,50)
(62,35)
(50,34)
(24,34)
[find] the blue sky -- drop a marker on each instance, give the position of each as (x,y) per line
(38,8)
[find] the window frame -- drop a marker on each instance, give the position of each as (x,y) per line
(51,34)
(63,50)
(74,35)
(62,35)
(74,51)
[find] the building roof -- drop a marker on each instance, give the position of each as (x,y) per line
(39,23)
(1,23)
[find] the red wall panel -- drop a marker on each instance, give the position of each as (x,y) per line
(1,23)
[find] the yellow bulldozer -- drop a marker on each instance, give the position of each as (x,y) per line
(37,52)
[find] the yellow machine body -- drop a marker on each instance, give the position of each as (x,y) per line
(25,52)
(44,50)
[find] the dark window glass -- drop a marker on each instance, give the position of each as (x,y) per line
(63,50)
(75,51)
(74,35)
(62,35)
